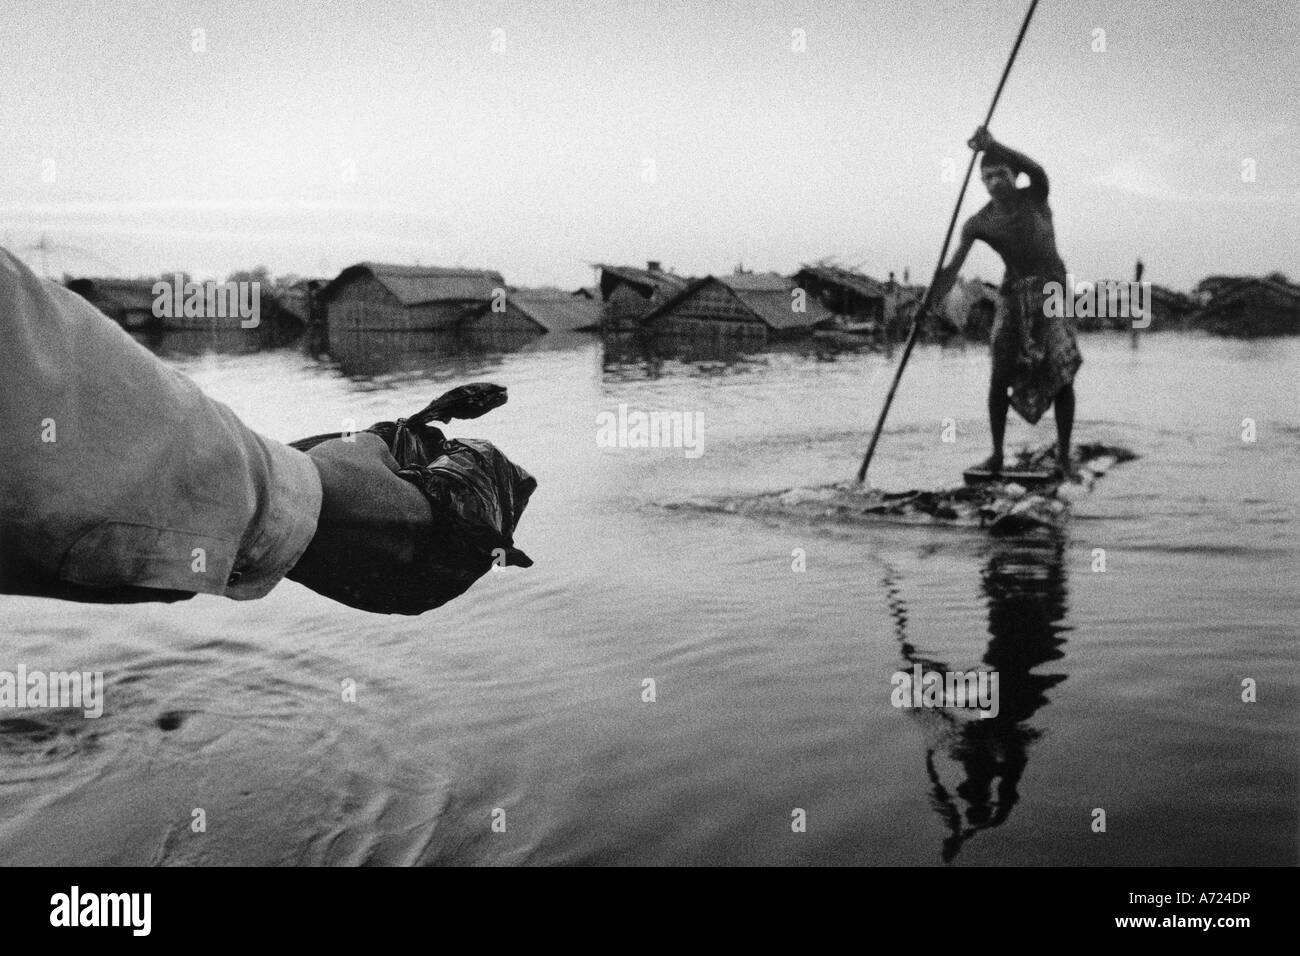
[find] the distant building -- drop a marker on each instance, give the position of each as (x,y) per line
(129,302)
(1211,286)
(1250,306)
(861,300)
(1170,309)
(382,297)
(540,310)
(630,293)
(971,306)
(301,298)
(901,308)
(845,292)
(761,306)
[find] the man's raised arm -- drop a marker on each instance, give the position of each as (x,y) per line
(1022,164)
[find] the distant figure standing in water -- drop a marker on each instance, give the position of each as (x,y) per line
(1035,356)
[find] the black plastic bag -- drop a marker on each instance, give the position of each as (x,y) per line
(476,492)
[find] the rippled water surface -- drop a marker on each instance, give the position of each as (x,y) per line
(1120,690)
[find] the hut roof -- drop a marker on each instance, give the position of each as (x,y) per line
(848,279)
(668,282)
(756,282)
(556,310)
(766,295)
(1216,283)
(1283,293)
(127,294)
(416,285)
(1171,297)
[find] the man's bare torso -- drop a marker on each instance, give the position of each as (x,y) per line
(1021,232)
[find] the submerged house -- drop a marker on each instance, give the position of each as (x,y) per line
(1170,309)
(539,310)
(861,300)
(760,306)
(382,297)
(630,293)
(845,292)
(301,298)
(185,305)
(1211,286)
(129,302)
(1251,306)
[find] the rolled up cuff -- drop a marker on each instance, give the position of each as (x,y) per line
(287,523)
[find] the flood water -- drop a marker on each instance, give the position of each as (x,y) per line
(1120,690)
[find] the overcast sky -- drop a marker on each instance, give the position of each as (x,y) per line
(308,136)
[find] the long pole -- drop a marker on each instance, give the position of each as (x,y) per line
(943,255)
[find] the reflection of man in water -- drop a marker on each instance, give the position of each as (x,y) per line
(1025,587)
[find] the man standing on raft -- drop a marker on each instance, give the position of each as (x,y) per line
(1035,356)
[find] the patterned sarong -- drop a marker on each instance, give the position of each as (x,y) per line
(1035,354)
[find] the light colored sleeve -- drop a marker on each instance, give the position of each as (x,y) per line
(120,473)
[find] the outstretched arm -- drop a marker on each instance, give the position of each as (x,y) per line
(123,481)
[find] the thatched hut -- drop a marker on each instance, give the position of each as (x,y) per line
(758,306)
(381,297)
(630,293)
(129,302)
(861,300)
(1252,306)
(845,292)
(539,310)
(1171,309)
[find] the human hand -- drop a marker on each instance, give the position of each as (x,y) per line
(982,140)
(365,553)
